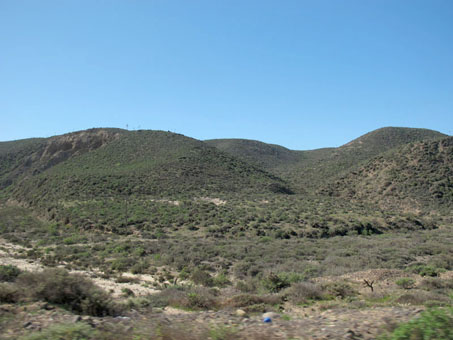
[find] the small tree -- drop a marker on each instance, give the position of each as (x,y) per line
(406,283)
(369,284)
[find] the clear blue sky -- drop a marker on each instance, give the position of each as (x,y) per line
(303,74)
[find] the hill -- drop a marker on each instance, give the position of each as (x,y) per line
(32,156)
(162,182)
(112,177)
(381,140)
(268,156)
(315,167)
(308,170)
(118,162)
(415,177)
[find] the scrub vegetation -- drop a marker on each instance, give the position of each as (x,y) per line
(221,226)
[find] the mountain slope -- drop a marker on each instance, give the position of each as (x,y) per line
(384,139)
(137,162)
(318,166)
(114,161)
(416,176)
(156,183)
(307,170)
(32,156)
(262,154)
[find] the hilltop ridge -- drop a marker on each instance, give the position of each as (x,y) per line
(306,170)
(262,154)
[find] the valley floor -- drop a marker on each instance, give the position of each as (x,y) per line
(358,319)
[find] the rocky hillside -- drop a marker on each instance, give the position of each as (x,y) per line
(30,157)
(309,170)
(320,166)
(417,176)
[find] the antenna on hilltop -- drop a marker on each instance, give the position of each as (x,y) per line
(127,126)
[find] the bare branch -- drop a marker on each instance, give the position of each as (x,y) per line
(369,284)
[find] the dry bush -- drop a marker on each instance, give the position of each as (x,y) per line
(420,297)
(435,283)
(127,279)
(76,292)
(172,296)
(9,273)
(245,300)
(201,298)
(247,286)
(302,292)
(178,332)
(70,331)
(339,290)
(9,293)
(185,297)
(202,277)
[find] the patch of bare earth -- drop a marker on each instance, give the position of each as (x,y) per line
(216,201)
(9,253)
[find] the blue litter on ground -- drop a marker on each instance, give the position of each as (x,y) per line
(267,320)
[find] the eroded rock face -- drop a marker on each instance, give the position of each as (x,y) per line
(52,151)
(62,147)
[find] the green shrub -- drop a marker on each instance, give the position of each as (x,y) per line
(296,277)
(9,273)
(274,283)
(140,267)
(221,280)
(184,274)
(72,331)
(127,292)
(195,301)
(425,270)
(122,264)
(201,298)
(435,324)
(406,283)
(201,277)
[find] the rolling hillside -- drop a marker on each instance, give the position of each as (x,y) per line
(268,156)
(118,162)
(29,157)
(308,170)
(160,182)
(416,177)
(321,165)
